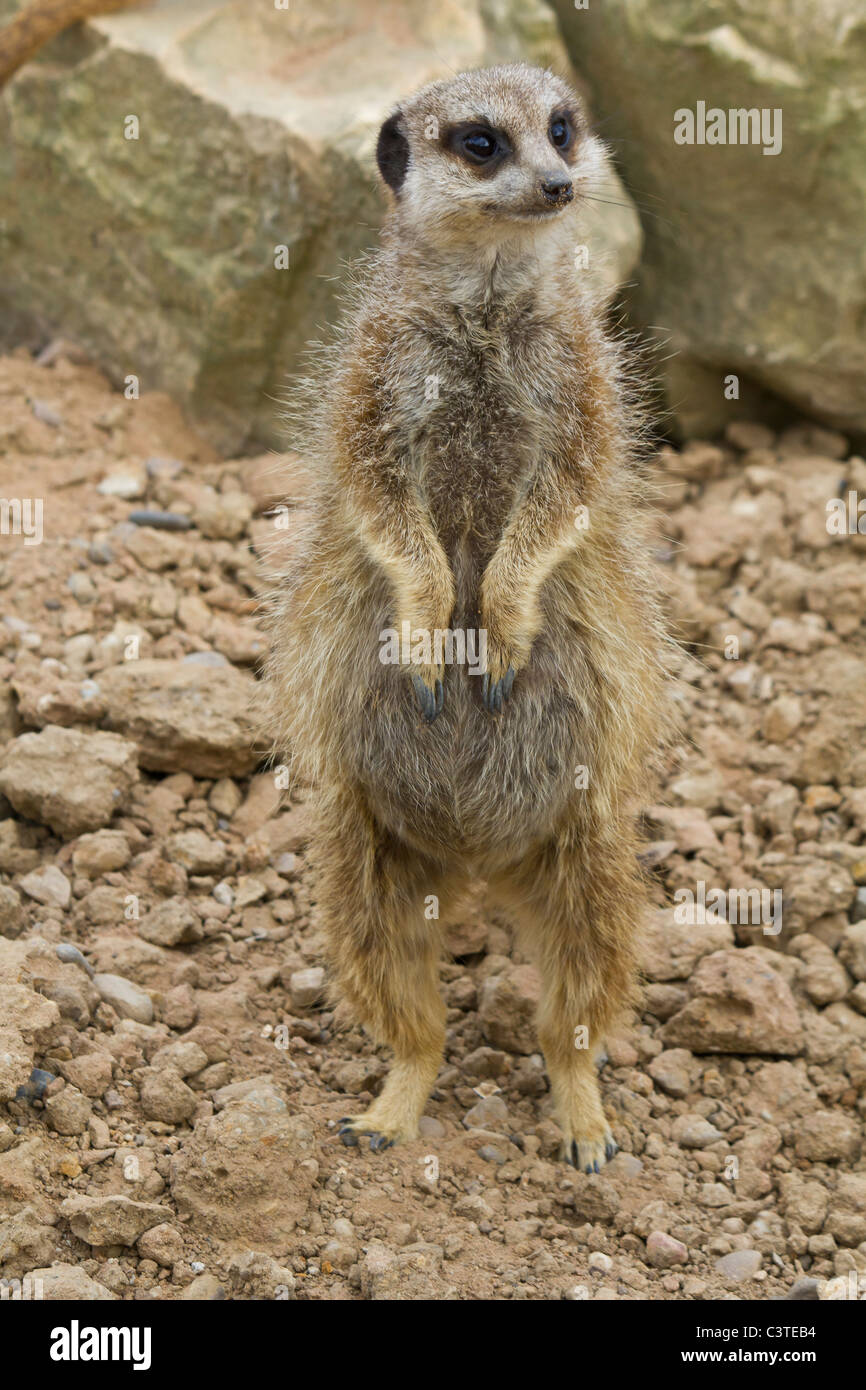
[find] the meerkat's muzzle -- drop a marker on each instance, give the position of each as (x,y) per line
(556,192)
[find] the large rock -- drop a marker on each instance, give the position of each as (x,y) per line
(670,950)
(65,1283)
(753,263)
(278,109)
(247,1173)
(508,1007)
(112,1220)
(737,1004)
(69,780)
(184,716)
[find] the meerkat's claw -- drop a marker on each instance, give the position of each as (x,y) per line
(589,1155)
(430,701)
(493,693)
(349,1136)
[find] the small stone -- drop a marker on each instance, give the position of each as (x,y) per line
(672,1070)
(165,1096)
(694,1132)
(124,997)
(825,1136)
(68,1112)
(160,521)
(162,1244)
(430,1128)
(205,1288)
(306,986)
(197,852)
(490,1110)
(508,1006)
(100,853)
(225,797)
(12,918)
(128,485)
(172,923)
(663,1252)
(741,1264)
(782,718)
(48,885)
(72,956)
(599,1262)
(737,1004)
(186,1058)
(91,1073)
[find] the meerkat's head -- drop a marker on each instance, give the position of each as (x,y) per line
(488,154)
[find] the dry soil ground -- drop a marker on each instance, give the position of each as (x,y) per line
(170,1079)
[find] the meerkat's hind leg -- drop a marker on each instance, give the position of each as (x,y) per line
(373,893)
(579,903)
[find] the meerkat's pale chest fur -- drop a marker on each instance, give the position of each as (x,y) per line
(472,452)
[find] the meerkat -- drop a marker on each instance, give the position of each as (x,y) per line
(473,455)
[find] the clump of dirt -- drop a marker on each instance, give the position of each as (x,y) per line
(171,1077)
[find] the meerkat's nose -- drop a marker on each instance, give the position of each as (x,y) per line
(557,190)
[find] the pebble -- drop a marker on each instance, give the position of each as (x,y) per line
(36,1085)
(663,1251)
(68,1112)
(741,1264)
(125,998)
(125,485)
(306,986)
(49,886)
(160,521)
(694,1132)
(157,467)
(72,956)
(599,1262)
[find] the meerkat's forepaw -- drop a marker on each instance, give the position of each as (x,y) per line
(495,692)
(430,694)
(588,1155)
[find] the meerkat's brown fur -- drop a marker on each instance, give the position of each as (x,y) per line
(460,507)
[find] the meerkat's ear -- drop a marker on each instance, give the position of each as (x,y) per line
(392,151)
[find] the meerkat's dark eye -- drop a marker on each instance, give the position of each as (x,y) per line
(479,145)
(560,133)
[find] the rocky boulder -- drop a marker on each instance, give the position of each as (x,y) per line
(69,780)
(238,230)
(753,260)
(247,1172)
(184,715)
(737,1003)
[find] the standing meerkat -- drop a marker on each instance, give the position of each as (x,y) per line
(472,455)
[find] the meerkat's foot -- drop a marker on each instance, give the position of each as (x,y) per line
(589,1155)
(383,1131)
(587,1142)
(494,692)
(430,697)
(393,1117)
(350,1130)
